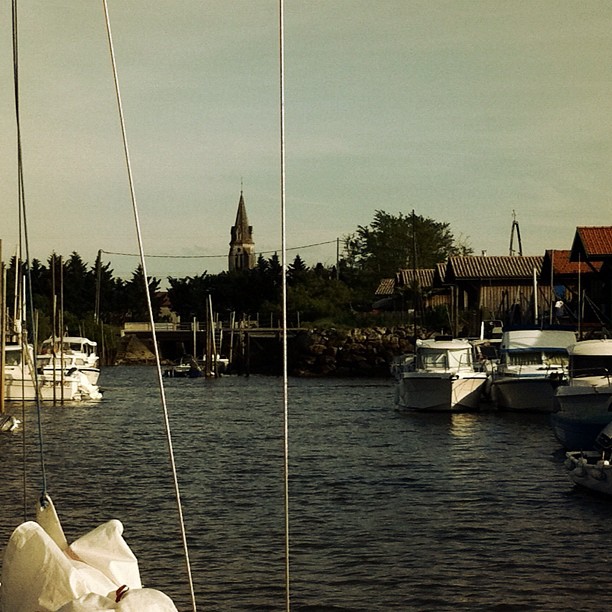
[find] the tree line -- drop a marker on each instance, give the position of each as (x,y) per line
(323,295)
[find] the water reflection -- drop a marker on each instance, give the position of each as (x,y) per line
(388,510)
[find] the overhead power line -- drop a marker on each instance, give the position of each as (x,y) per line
(306,246)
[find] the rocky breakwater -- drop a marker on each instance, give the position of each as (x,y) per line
(355,352)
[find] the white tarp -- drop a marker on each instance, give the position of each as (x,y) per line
(40,574)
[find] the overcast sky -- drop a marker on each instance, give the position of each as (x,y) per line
(464,111)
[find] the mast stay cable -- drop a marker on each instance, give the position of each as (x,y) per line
(149,306)
(284,298)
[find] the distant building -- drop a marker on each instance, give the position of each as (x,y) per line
(242,247)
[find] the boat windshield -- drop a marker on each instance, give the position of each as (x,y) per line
(590,365)
(547,358)
(444,359)
(12,358)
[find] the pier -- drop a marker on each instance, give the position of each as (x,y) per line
(239,343)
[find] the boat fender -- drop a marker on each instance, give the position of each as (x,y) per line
(580,471)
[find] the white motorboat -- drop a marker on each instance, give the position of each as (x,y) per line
(20,380)
(584,406)
(439,377)
(532,364)
(69,353)
(187,367)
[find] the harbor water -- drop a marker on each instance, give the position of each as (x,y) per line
(388,511)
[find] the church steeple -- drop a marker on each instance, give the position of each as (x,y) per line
(241,254)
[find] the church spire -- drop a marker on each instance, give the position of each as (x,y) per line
(242,254)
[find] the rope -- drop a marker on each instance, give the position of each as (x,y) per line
(284,300)
(24,227)
(150,308)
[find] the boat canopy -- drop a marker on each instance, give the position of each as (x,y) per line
(73,343)
(537,339)
(591,347)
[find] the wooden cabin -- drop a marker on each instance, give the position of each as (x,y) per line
(566,279)
(593,246)
(493,287)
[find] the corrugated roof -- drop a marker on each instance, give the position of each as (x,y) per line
(386,287)
(596,242)
(440,275)
(498,267)
(424,276)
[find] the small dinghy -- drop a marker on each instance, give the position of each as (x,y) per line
(8,423)
(593,469)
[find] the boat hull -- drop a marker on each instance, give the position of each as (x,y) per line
(17,389)
(588,470)
(430,392)
(92,374)
(524,394)
(583,411)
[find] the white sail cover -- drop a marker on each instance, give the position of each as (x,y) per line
(96,572)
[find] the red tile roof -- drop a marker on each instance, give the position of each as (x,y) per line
(594,242)
(563,266)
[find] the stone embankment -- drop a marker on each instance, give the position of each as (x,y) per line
(355,352)
(312,352)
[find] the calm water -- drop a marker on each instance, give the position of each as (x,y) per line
(388,510)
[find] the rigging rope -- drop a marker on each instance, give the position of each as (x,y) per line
(150,308)
(23,232)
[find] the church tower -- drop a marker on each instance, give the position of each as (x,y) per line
(241,254)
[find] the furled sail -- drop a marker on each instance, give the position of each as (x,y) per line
(98,571)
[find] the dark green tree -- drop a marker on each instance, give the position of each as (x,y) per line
(79,287)
(296,271)
(392,242)
(135,298)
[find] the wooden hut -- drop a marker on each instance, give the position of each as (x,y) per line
(566,279)
(493,287)
(593,245)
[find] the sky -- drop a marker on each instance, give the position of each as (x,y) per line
(467,112)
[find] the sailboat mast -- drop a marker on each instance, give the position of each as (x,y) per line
(281,27)
(2,327)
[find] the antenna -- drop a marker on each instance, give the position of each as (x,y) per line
(515,226)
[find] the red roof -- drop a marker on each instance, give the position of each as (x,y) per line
(594,243)
(562,265)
